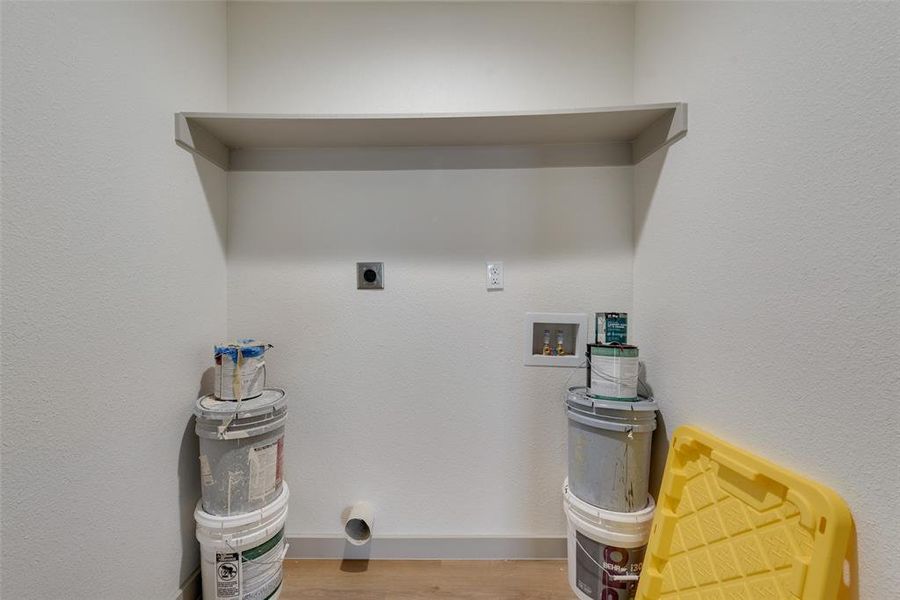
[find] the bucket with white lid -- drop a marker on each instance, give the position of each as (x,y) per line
(609,450)
(605,548)
(241,556)
(240,371)
(241,451)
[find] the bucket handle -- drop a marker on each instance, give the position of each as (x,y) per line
(613,379)
(612,576)
(223,428)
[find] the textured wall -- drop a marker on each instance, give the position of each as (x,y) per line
(113,289)
(384,57)
(766,266)
(416,397)
(765,246)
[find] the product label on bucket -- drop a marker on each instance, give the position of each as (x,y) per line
(261,568)
(614,377)
(598,569)
(611,328)
(228,575)
(265,469)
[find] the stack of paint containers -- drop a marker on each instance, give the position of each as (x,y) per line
(606,496)
(241,515)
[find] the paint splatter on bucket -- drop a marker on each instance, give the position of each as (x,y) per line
(241,451)
(609,450)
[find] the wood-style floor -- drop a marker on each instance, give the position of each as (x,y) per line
(411,579)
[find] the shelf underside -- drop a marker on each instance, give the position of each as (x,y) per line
(621,135)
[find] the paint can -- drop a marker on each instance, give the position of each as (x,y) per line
(613,372)
(241,451)
(241,557)
(609,445)
(611,328)
(605,548)
(240,371)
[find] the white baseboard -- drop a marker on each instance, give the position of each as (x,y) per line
(429,548)
(190,590)
(411,548)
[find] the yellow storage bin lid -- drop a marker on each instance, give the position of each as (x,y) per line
(733,526)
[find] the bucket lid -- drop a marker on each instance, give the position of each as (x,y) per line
(595,513)
(578,397)
(614,527)
(271,400)
(267,513)
(248,347)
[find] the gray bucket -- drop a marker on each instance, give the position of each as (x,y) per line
(241,451)
(609,450)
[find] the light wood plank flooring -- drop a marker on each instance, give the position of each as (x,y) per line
(413,579)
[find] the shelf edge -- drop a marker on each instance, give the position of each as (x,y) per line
(199,142)
(663,132)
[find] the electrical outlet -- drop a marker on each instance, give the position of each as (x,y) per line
(495,275)
(369,276)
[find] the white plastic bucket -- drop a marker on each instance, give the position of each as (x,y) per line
(609,450)
(240,371)
(605,548)
(241,556)
(241,451)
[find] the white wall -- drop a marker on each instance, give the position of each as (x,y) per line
(766,267)
(415,397)
(396,57)
(765,241)
(113,290)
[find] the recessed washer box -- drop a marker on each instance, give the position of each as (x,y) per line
(369,276)
(574,327)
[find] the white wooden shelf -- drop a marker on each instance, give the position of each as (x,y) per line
(639,130)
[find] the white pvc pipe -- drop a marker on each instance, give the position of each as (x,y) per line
(358,526)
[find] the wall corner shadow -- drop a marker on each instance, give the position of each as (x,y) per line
(646,178)
(213,180)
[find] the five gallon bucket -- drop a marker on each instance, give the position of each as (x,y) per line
(609,450)
(241,451)
(240,371)
(241,556)
(606,549)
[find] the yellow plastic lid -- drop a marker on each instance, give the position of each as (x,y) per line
(733,526)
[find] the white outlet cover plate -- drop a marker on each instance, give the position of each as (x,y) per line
(494,274)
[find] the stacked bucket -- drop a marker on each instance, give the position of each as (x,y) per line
(606,497)
(241,515)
